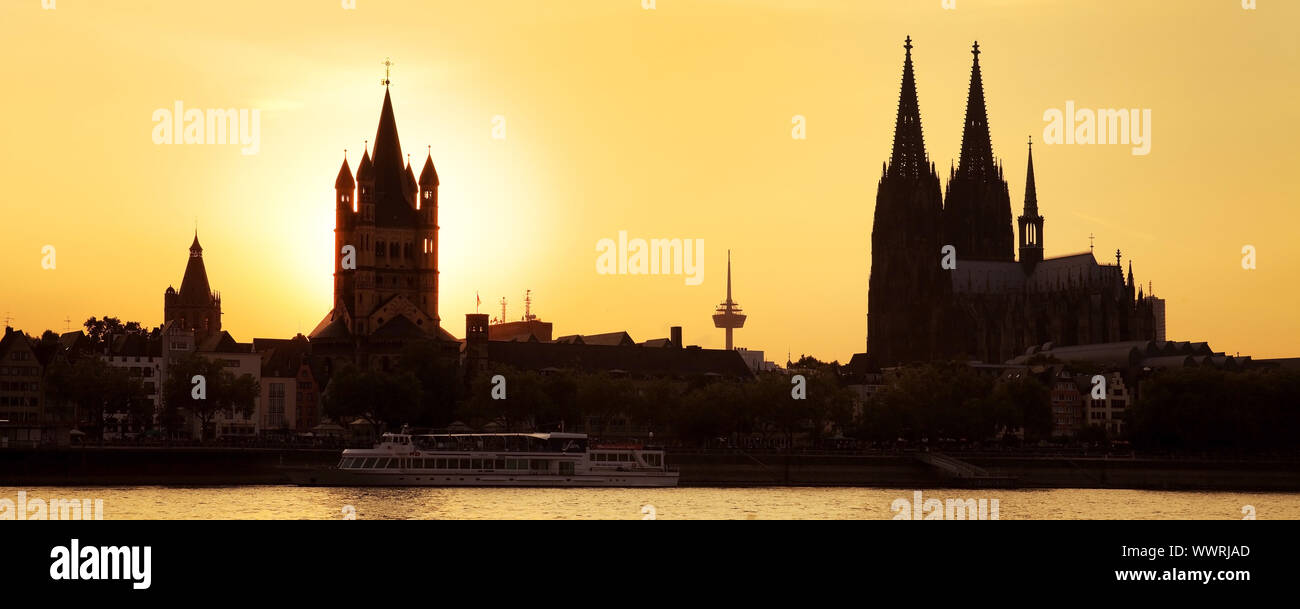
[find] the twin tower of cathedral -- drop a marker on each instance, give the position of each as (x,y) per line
(990,307)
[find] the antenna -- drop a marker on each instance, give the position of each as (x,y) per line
(8,319)
(503,309)
(528,305)
(67,324)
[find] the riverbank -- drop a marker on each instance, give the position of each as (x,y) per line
(201,466)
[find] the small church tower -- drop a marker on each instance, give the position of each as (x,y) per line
(1031,223)
(195,307)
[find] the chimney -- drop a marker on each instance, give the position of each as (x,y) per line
(675,335)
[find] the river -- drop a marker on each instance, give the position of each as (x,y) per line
(774,503)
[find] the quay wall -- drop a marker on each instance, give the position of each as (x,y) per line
(92,466)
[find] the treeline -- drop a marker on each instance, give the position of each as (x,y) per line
(422,392)
(951,401)
(1204,410)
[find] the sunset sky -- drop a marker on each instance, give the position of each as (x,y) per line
(673,122)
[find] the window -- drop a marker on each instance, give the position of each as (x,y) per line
(275,409)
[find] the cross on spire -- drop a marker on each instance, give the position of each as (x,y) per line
(388,63)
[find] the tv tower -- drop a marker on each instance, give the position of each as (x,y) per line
(728,315)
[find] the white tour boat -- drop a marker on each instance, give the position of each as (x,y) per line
(500,459)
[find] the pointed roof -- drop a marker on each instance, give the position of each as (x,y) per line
(344,181)
(392,206)
(908,158)
(366,170)
(428,175)
(194,286)
(976,145)
(1031,191)
(409,185)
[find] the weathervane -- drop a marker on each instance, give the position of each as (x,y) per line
(387,64)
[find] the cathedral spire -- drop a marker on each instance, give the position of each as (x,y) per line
(976,145)
(1031,191)
(908,158)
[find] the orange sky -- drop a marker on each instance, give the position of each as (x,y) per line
(672,122)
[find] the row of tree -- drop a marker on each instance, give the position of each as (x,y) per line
(1216,411)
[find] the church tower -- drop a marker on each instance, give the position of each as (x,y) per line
(907,285)
(977,209)
(386,243)
(1031,223)
(195,307)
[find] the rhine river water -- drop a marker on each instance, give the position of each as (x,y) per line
(774,503)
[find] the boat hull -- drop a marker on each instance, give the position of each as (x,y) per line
(339,477)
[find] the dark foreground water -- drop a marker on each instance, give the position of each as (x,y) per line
(291,502)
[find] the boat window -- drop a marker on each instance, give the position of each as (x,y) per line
(366,463)
(394,463)
(500,464)
(441,464)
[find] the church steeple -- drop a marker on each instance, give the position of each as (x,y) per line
(905,240)
(393,207)
(1031,222)
(977,209)
(976,144)
(1031,191)
(908,158)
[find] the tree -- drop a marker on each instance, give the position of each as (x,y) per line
(440,382)
(516,399)
(937,400)
(98,331)
(1204,410)
(224,393)
(379,397)
(1023,402)
(93,388)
